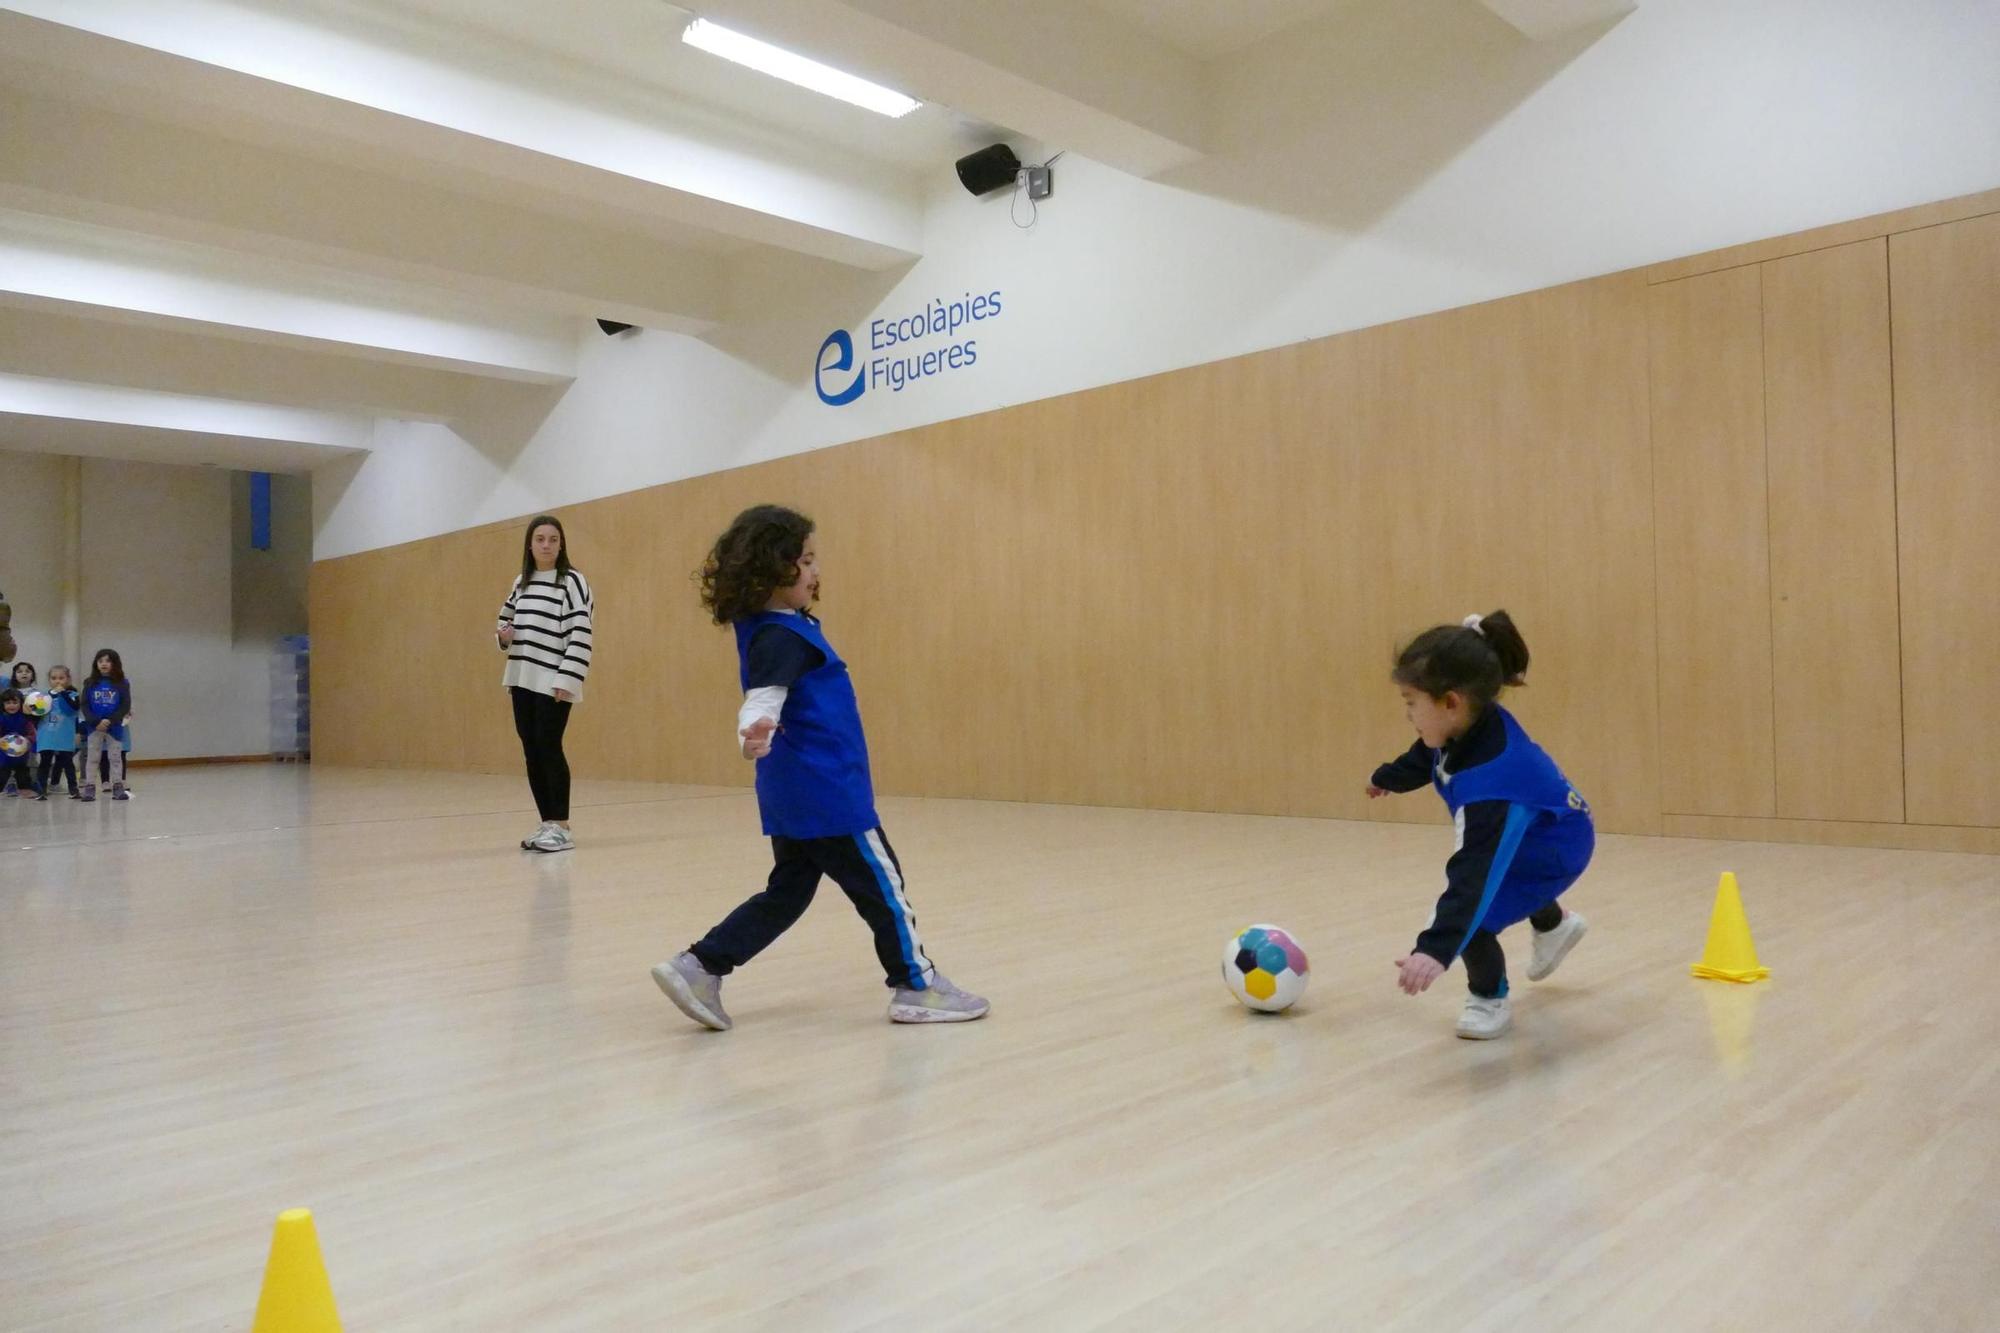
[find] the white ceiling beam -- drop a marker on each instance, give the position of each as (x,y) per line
(75,161)
(501,114)
(1069,75)
(149,281)
(104,421)
(1545,20)
(28,396)
(148,444)
(53,345)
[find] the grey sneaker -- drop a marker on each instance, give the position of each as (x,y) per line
(89,792)
(1483,1020)
(695,991)
(118,792)
(528,843)
(940,1002)
(1552,946)
(552,838)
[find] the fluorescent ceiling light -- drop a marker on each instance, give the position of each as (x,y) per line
(782,64)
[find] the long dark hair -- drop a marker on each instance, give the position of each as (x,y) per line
(758,555)
(117,668)
(20,666)
(1477,662)
(528,546)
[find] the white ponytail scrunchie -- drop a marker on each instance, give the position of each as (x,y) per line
(1473,623)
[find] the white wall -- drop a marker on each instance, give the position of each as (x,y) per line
(156,586)
(31,525)
(1423,157)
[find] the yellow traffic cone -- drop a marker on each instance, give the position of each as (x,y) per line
(297,1298)
(1730,955)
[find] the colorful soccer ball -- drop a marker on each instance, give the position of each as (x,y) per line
(13,746)
(1264,967)
(37,703)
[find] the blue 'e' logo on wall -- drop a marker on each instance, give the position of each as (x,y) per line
(843,344)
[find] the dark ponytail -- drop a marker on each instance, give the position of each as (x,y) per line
(1477,662)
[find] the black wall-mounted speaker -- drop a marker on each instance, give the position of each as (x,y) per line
(989,169)
(612,328)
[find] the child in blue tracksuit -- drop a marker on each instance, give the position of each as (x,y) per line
(1524,834)
(800,723)
(17,744)
(107,702)
(56,736)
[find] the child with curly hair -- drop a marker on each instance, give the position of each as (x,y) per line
(799,721)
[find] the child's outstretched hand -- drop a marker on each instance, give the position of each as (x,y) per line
(1375,791)
(1416,973)
(757,738)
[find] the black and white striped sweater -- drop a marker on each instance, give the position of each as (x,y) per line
(550,613)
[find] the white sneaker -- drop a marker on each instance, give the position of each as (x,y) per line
(528,843)
(939,1002)
(695,991)
(1552,946)
(1483,1020)
(552,838)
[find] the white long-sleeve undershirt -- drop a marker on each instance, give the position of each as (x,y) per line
(764,701)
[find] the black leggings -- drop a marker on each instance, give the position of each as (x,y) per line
(539,719)
(58,764)
(1486,963)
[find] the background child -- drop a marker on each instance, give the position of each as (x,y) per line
(130,731)
(17,730)
(1524,835)
(56,735)
(800,723)
(107,701)
(23,679)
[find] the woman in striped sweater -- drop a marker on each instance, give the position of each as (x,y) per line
(545,631)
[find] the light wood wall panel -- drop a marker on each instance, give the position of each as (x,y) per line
(1946,283)
(1180,592)
(1823,238)
(1186,591)
(1717,749)
(1831,454)
(1490,457)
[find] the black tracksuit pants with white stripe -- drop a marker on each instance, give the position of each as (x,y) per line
(865,867)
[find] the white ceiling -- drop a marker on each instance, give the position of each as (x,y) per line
(414,207)
(1208,30)
(639,41)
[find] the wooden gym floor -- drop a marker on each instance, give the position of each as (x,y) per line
(257,988)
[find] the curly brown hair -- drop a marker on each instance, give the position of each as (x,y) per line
(758,555)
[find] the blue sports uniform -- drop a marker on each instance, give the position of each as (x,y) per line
(817,802)
(1524,834)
